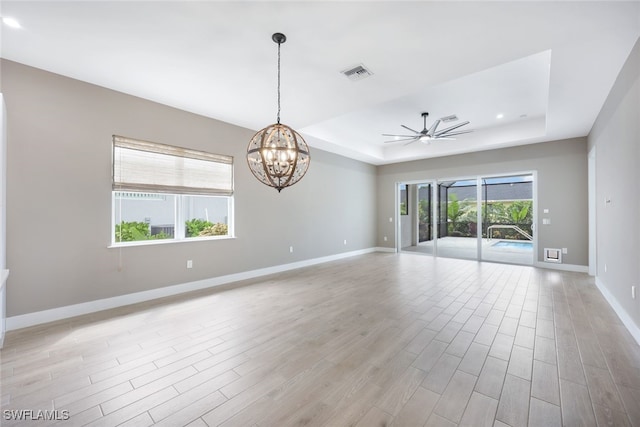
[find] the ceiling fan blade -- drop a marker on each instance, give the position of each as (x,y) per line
(408,128)
(460,132)
(413,138)
(433,128)
(443,131)
(432,133)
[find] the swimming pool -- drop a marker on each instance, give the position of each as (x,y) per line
(517,245)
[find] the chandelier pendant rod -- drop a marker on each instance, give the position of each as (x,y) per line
(279,38)
(278,117)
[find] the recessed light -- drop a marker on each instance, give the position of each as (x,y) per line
(11,22)
(499,116)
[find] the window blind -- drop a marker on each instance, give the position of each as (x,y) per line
(158,168)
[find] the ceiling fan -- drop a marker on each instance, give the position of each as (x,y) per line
(428,135)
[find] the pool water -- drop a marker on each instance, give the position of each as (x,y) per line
(518,245)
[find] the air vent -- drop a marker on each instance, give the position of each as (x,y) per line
(451,118)
(356,73)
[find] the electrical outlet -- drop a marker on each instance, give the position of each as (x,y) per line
(565,251)
(189,263)
(345,241)
(605,268)
(385,238)
(633,292)
(290,249)
(390,219)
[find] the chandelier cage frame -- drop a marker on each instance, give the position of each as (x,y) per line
(277,155)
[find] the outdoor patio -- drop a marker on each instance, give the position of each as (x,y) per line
(467,248)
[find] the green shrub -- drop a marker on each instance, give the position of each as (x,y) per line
(217,229)
(160,235)
(519,212)
(133,231)
(195,226)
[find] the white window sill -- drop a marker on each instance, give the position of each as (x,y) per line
(167,241)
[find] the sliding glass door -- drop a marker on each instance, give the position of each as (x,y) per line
(457,219)
(416,218)
(507,219)
(487,218)
(425,216)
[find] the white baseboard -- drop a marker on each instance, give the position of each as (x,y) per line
(383,249)
(622,314)
(563,267)
(46,316)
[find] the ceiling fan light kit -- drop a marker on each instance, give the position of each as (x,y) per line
(428,135)
(277,155)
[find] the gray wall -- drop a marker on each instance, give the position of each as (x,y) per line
(562,188)
(616,138)
(59,197)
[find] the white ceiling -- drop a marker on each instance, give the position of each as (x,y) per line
(547,66)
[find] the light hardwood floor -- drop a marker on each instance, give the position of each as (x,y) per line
(374,340)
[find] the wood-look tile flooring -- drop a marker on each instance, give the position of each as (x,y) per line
(374,340)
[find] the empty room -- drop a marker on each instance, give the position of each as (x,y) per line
(320,213)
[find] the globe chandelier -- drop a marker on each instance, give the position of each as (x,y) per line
(277,155)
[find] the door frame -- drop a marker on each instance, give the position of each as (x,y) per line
(592,212)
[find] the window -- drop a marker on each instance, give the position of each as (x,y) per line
(167,193)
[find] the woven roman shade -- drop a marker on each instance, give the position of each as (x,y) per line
(157,168)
